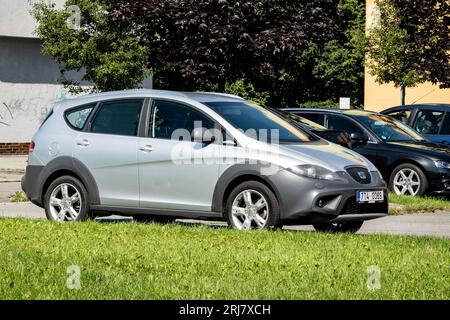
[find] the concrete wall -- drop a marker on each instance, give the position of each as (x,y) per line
(380,97)
(15,19)
(28,79)
(28,87)
(23,107)
(21,61)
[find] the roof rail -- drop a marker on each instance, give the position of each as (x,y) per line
(220,94)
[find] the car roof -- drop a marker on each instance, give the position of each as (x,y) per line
(202,97)
(212,96)
(427,106)
(350,112)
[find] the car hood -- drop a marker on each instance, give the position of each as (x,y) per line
(423,147)
(328,155)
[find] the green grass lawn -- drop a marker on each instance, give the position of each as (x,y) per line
(407,204)
(151,261)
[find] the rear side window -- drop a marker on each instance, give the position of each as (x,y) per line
(119,117)
(77,117)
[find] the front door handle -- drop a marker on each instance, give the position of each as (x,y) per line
(83,143)
(147,148)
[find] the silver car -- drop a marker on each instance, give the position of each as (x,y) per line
(162,155)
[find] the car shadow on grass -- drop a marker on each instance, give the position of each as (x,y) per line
(193,223)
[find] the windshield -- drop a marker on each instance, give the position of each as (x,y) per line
(260,123)
(389,129)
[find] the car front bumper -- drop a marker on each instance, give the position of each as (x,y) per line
(307,201)
(439,182)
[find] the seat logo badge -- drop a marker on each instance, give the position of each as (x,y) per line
(362,175)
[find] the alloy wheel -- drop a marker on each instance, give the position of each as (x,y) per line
(250,210)
(65,202)
(407,182)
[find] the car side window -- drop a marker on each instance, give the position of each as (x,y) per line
(77,117)
(338,122)
(120,117)
(445,129)
(401,115)
(314,117)
(429,121)
(167,118)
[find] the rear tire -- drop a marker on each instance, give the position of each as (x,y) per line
(252,205)
(348,226)
(66,200)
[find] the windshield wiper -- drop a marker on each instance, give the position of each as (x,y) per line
(405,140)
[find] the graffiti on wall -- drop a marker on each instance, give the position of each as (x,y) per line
(16,107)
(24,107)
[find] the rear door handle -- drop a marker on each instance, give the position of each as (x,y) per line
(147,148)
(83,143)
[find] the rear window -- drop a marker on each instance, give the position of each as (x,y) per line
(77,117)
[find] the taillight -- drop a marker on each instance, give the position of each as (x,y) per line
(32,145)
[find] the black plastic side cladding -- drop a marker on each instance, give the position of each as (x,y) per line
(37,176)
(234,172)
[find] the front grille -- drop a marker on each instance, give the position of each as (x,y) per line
(361,175)
(352,207)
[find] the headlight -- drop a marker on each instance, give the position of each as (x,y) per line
(315,172)
(442,164)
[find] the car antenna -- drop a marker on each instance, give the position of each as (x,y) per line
(423,96)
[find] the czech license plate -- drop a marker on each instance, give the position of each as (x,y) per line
(369,196)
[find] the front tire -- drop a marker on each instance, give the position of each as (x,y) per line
(252,205)
(66,200)
(408,179)
(347,226)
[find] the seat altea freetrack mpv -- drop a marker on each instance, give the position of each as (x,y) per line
(156,154)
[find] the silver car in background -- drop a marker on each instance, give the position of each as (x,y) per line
(161,155)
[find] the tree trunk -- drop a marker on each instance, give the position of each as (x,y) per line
(402,95)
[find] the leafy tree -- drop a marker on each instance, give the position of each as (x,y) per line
(427,24)
(109,58)
(339,65)
(411,45)
(246,90)
(193,42)
(277,52)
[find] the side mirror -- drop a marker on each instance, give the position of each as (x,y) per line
(358,139)
(203,135)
